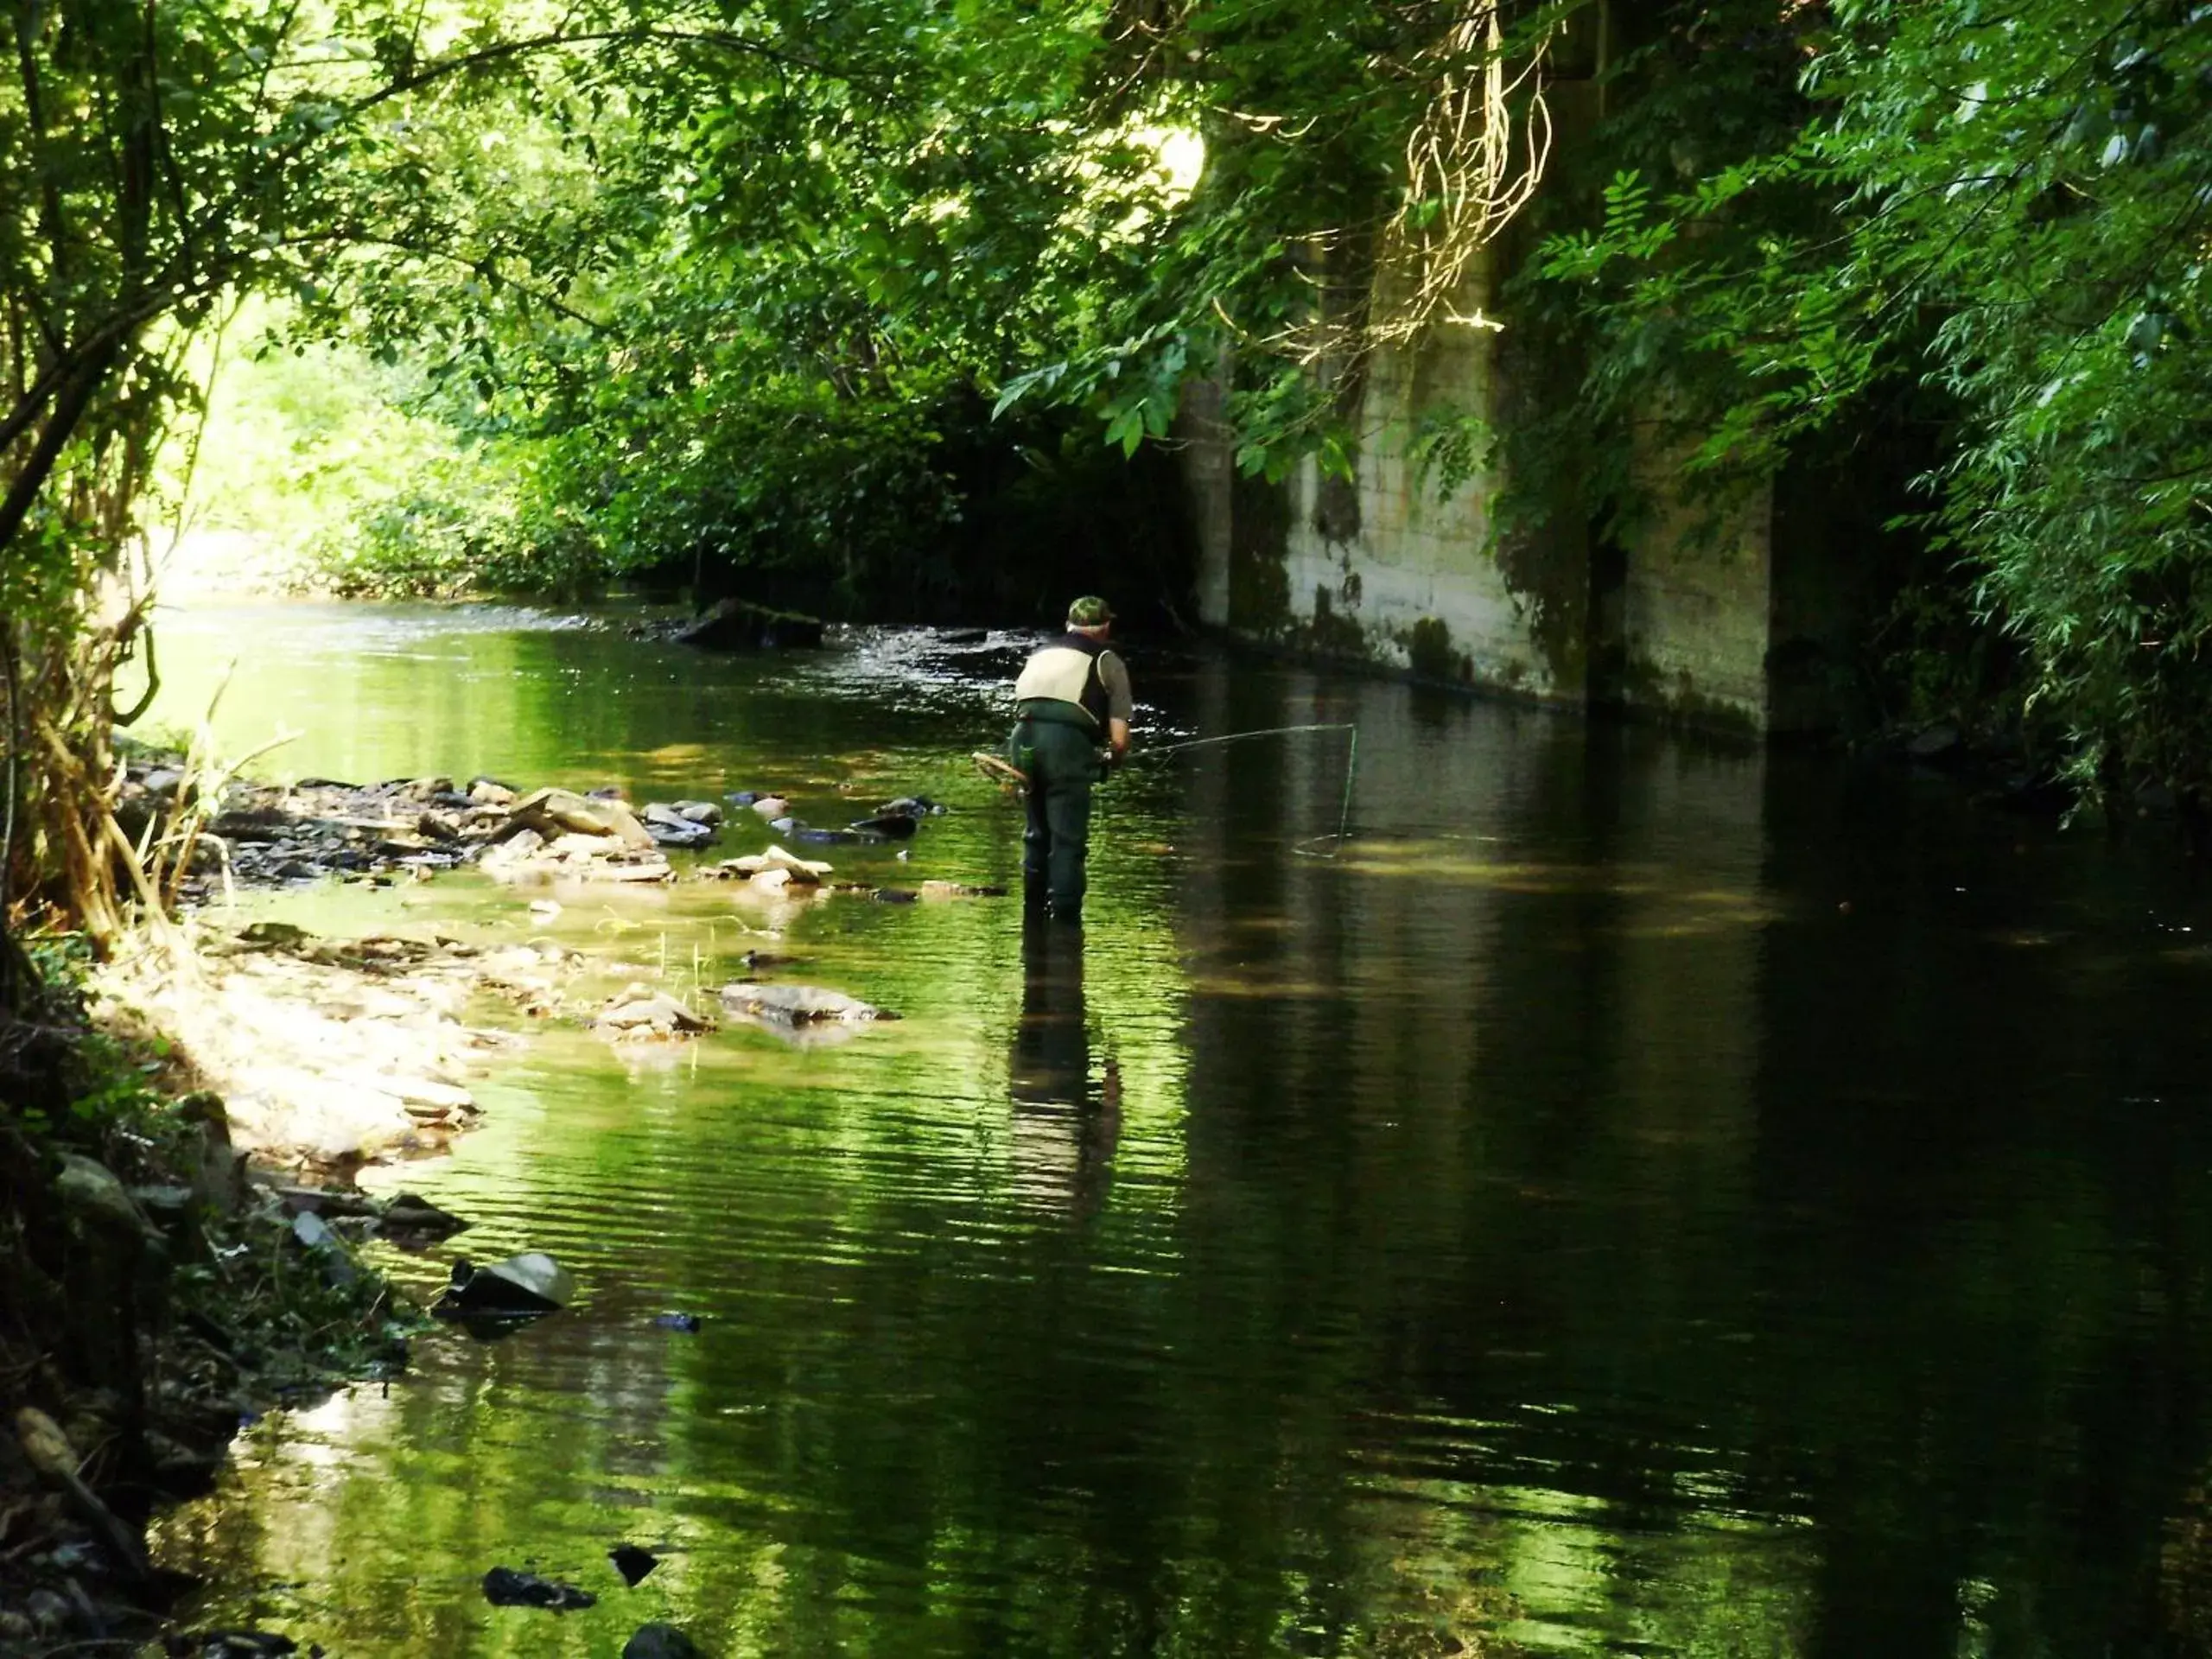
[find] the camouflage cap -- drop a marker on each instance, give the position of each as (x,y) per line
(1089,611)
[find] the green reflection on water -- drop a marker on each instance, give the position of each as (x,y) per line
(1548,1228)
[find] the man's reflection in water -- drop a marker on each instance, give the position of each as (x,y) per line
(1064,1124)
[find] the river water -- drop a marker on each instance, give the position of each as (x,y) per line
(1642,1198)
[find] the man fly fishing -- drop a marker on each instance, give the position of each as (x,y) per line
(1073,697)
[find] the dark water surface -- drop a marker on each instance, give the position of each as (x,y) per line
(1643,1198)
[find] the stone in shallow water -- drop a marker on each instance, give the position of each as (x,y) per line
(660,1641)
(799,1005)
(521,1287)
(638,1012)
(233,1644)
(506,1587)
(550,811)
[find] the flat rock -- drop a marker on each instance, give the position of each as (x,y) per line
(799,1005)
(636,1011)
(669,827)
(550,811)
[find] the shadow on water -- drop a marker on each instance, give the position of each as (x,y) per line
(1642,1199)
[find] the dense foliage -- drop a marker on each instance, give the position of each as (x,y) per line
(2001,212)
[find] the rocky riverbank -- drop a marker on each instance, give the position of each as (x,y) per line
(157,1294)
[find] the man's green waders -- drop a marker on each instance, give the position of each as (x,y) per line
(1059,753)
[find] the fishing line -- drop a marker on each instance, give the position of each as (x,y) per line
(1304,849)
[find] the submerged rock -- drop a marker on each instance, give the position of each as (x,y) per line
(891,826)
(504,1587)
(231,1644)
(660,1641)
(959,890)
(738,624)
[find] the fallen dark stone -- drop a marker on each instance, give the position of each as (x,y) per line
(1935,743)
(522,1287)
(687,1323)
(894,895)
(736,625)
(323,1201)
(506,1587)
(633,1562)
(891,826)
(328,782)
(660,1641)
(225,1645)
(250,823)
(815,838)
(408,1214)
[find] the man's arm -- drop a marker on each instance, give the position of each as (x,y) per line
(1120,705)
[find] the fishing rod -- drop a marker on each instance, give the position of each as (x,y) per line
(1007,775)
(1304,849)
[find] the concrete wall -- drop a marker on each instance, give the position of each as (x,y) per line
(1383,565)
(1681,618)
(1695,610)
